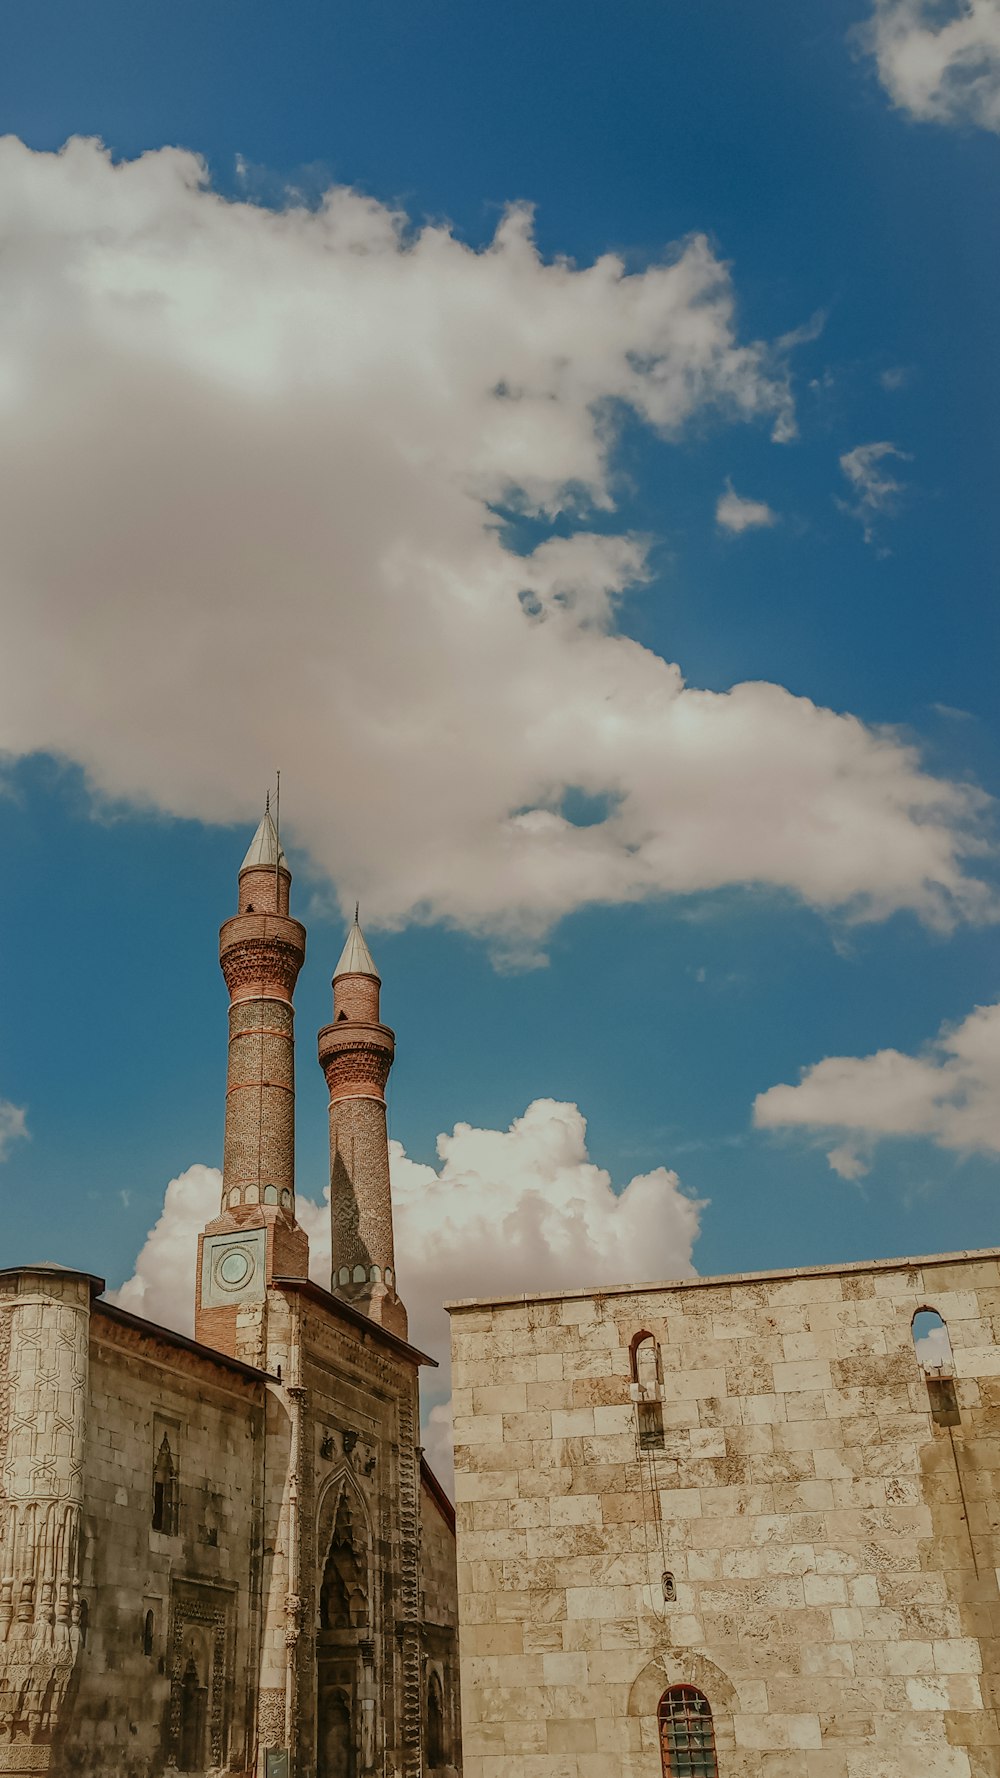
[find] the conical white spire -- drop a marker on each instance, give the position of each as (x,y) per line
(265,849)
(356,958)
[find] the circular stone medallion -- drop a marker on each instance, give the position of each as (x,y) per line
(234,1268)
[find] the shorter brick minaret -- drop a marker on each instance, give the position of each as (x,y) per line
(256,1236)
(355,1054)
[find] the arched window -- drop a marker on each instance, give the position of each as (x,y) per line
(436,1751)
(165,1490)
(687,1737)
(647,1390)
(937,1362)
(147,1633)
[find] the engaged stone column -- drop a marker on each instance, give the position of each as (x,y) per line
(44,1349)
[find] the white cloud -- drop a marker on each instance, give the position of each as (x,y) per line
(896,377)
(933,1349)
(162,1286)
(249,469)
(525,1209)
(850,1161)
(949,1094)
(505,1211)
(13,1126)
(875,489)
(952,713)
(439,1443)
(734,512)
(939,59)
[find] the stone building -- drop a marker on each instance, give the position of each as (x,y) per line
(733,1527)
(226,1554)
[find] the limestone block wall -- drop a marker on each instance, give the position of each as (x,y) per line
(439,1630)
(182,1600)
(437,1559)
(831,1550)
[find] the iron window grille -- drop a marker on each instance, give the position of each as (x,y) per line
(687,1734)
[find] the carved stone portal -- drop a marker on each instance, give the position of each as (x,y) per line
(201,1674)
(345,1730)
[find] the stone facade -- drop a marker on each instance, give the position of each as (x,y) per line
(745,1491)
(203,1562)
(157,1598)
(439,1615)
(225,1555)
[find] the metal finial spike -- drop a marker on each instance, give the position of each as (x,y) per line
(357,910)
(267,803)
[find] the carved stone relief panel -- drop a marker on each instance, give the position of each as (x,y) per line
(200,1664)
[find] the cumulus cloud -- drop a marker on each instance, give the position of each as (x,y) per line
(505,1211)
(439,1443)
(949,1094)
(734,512)
(162,1286)
(933,1348)
(13,1126)
(849,1161)
(875,490)
(254,465)
(939,59)
(526,1209)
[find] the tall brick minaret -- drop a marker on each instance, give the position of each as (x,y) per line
(256,1236)
(355,1054)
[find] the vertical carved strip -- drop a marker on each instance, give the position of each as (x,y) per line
(409,1596)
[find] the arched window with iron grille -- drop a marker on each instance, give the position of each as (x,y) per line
(687,1735)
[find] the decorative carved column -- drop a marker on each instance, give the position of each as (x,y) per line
(408,1609)
(45,1334)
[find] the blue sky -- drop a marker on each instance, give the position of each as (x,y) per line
(848,221)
